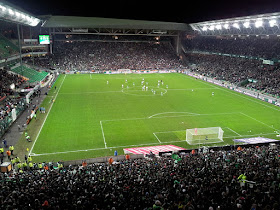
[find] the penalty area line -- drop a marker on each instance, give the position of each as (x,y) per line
(233,131)
(157,138)
(259,121)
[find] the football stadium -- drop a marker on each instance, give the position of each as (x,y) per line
(108,113)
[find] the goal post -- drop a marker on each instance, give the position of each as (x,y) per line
(210,135)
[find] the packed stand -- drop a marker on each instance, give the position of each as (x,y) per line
(7,98)
(235,69)
(7,48)
(247,178)
(267,48)
(93,55)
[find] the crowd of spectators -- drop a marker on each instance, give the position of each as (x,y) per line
(267,48)
(6,79)
(7,97)
(93,55)
(198,181)
(236,70)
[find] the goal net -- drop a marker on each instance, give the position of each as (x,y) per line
(211,135)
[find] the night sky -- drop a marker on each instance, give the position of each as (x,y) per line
(172,10)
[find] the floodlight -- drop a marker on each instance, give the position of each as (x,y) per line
(219,27)
(226,26)
(10,13)
(204,28)
(34,21)
(3,8)
(272,23)
(246,24)
(258,23)
(211,28)
(17,14)
(236,25)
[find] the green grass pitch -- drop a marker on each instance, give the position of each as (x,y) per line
(90,118)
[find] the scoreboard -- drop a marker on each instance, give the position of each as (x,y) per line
(44,39)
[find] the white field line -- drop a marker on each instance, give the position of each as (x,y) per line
(121,91)
(103,134)
(157,138)
(191,115)
(188,89)
(138,145)
(233,131)
(80,93)
(129,77)
(46,116)
(236,93)
(128,91)
(260,121)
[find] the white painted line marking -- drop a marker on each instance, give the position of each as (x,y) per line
(233,131)
(157,138)
(236,93)
(260,121)
(172,113)
(47,116)
(191,115)
(103,135)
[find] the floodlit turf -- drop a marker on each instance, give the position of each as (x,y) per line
(91,118)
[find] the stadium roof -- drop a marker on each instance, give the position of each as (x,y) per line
(97,22)
(12,13)
(263,24)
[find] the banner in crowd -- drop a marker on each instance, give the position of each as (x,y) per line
(255,140)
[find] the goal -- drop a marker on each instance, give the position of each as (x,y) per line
(210,135)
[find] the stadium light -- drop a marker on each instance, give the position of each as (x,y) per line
(9,13)
(219,26)
(204,28)
(226,26)
(258,23)
(246,24)
(211,28)
(236,25)
(272,23)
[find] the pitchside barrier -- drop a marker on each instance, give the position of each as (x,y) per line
(166,153)
(217,148)
(101,159)
(122,71)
